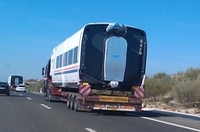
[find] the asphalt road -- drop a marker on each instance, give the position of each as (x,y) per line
(27,112)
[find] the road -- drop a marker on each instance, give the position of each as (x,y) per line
(28,112)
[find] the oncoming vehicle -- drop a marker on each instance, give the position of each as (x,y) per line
(4,88)
(20,88)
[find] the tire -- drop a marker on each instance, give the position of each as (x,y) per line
(45,96)
(76,105)
(72,103)
(49,97)
(68,102)
(8,93)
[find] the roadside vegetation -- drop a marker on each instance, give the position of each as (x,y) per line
(34,85)
(181,89)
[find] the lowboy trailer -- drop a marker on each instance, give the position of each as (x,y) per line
(101,67)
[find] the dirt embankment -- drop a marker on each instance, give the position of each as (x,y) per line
(173,107)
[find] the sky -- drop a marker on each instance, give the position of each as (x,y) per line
(30,29)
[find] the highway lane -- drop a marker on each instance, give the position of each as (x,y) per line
(26,112)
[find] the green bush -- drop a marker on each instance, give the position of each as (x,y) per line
(188,92)
(185,87)
(158,85)
(34,85)
(185,93)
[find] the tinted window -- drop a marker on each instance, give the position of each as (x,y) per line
(3,84)
(60,61)
(75,55)
(57,61)
(70,57)
(65,58)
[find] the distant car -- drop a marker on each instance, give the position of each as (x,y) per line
(21,88)
(4,88)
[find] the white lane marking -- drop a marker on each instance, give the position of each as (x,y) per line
(29,98)
(171,112)
(20,94)
(172,124)
(45,106)
(168,123)
(90,130)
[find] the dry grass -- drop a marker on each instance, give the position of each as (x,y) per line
(174,108)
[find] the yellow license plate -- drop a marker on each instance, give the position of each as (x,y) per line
(113,99)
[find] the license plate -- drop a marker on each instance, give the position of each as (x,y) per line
(112,107)
(113,99)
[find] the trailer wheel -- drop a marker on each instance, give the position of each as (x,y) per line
(72,103)
(76,105)
(68,102)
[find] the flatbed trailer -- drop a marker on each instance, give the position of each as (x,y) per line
(76,101)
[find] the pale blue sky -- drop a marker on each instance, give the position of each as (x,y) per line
(30,29)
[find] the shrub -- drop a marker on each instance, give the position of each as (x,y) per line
(187,93)
(158,85)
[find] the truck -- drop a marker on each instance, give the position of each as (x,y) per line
(14,80)
(100,67)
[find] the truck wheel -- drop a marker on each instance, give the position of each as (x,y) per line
(45,96)
(76,105)
(49,97)
(8,93)
(68,102)
(72,103)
